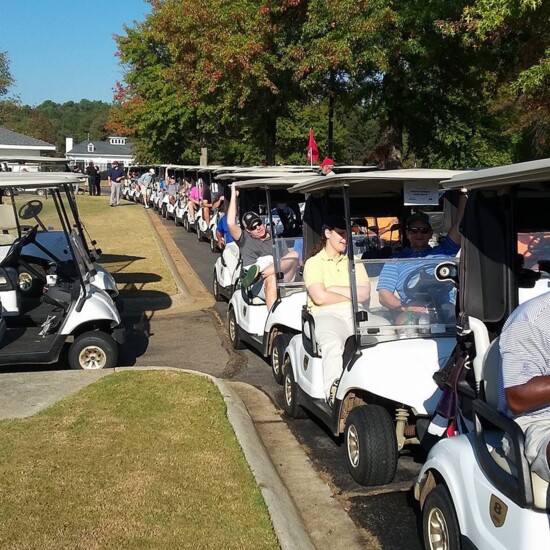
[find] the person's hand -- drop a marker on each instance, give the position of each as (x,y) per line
(220,244)
(235,189)
(414,309)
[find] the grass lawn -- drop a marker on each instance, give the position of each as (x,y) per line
(143,459)
(130,251)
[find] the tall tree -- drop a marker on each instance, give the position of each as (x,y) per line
(6,80)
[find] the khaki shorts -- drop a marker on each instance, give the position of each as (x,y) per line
(537,439)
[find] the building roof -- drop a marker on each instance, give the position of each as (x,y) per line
(101,148)
(13,139)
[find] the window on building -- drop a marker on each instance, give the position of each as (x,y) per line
(91,148)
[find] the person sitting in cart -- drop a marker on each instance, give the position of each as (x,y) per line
(256,249)
(524,395)
(394,274)
(326,277)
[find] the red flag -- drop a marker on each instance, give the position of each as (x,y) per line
(312,151)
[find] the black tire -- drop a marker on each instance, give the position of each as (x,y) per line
(290,392)
(213,246)
(199,234)
(93,350)
(439,522)
(177,222)
(164,211)
(280,342)
(371,445)
(30,284)
(216,288)
(234,330)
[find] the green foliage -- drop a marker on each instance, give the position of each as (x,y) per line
(53,122)
(6,80)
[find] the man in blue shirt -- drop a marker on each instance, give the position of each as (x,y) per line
(115,177)
(394,274)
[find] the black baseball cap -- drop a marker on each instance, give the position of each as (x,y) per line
(334,222)
(419,217)
(250,219)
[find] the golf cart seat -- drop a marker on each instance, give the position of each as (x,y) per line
(7,223)
(520,472)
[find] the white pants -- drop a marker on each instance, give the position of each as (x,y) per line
(333,326)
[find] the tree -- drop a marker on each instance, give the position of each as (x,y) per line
(6,80)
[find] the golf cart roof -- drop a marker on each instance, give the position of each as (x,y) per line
(281,181)
(259,175)
(501,176)
(376,182)
(32,158)
(33,180)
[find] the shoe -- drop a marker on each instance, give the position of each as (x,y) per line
(111,205)
(332,393)
(146,207)
(250,276)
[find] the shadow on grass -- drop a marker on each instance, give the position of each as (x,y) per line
(119,258)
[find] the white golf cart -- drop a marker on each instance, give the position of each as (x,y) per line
(70,309)
(50,243)
(386,394)
(472,495)
(249,320)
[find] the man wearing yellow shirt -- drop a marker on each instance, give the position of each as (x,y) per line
(327,282)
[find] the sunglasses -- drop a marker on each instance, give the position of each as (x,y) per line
(422,230)
(255,226)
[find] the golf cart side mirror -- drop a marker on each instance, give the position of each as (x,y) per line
(447,271)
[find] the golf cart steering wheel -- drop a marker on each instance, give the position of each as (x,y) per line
(15,250)
(31,209)
(420,286)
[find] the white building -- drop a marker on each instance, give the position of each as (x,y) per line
(101,153)
(17,145)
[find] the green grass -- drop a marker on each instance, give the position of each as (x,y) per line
(139,460)
(130,251)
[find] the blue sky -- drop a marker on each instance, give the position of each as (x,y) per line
(64,50)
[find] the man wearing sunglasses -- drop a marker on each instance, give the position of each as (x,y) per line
(393,275)
(256,249)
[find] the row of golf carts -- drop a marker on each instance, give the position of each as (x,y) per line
(54,294)
(398,377)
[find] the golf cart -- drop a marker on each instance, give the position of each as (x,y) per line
(249,320)
(70,309)
(471,493)
(50,243)
(386,395)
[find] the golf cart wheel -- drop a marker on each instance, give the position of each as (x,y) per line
(290,392)
(199,233)
(164,211)
(93,350)
(280,342)
(234,331)
(177,222)
(371,445)
(29,283)
(439,522)
(213,245)
(216,288)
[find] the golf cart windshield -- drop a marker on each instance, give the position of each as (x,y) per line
(289,265)
(428,305)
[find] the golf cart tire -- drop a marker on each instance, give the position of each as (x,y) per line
(34,286)
(199,234)
(164,211)
(439,521)
(93,350)
(234,331)
(371,445)
(177,222)
(280,343)
(213,246)
(290,392)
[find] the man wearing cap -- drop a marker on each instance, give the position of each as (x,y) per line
(256,249)
(393,275)
(145,183)
(115,177)
(326,167)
